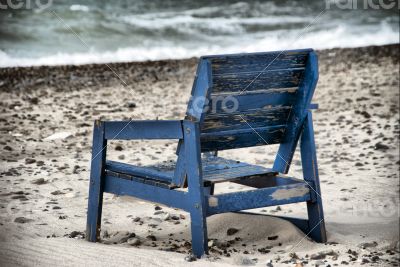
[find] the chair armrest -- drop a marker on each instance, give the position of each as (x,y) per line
(146,129)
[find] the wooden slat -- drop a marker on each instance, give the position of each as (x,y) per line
(241,138)
(239,103)
(258,198)
(258,62)
(149,172)
(235,173)
(172,198)
(240,120)
(252,82)
(151,129)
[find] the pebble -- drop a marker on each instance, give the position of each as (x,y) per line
(29,161)
(232,231)
(190,258)
(151,237)
(39,181)
(381,147)
(22,220)
(274,237)
(133,241)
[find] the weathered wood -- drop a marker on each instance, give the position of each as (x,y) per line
(196,188)
(250,101)
(306,91)
(242,138)
(310,173)
(251,199)
(240,120)
(95,200)
(129,130)
(150,172)
(123,187)
(257,62)
(253,82)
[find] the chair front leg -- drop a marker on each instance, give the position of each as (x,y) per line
(316,222)
(95,200)
(196,188)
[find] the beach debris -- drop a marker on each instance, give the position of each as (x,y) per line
(151,237)
(76,234)
(381,147)
(118,148)
(368,245)
(322,255)
(232,231)
(133,241)
(56,136)
(30,160)
(190,258)
(22,220)
(274,237)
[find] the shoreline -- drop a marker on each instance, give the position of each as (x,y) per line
(93,73)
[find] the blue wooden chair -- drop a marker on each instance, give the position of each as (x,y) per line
(239,100)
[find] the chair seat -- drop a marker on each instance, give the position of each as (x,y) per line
(215,170)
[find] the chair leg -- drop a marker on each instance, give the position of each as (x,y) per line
(95,200)
(199,230)
(316,222)
(193,168)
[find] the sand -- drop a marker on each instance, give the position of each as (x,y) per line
(46,122)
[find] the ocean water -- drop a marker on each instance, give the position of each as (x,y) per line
(90,31)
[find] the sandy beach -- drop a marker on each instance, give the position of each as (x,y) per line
(46,122)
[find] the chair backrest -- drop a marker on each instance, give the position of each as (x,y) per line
(254,99)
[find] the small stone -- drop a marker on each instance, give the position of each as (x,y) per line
(119,148)
(157,208)
(39,181)
(151,237)
(190,258)
(133,241)
(131,105)
(76,234)
(275,237)
(269,264)
(57,192)
(232,231)
(22,220)
(8,148)
(368,245)
(380,146)
(136,219)
(364,260)
(29,161)
(375,258)
(174,217)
